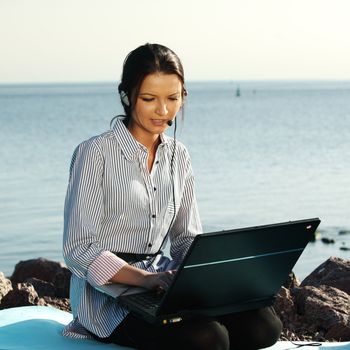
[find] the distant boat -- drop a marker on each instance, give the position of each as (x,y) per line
(238,92)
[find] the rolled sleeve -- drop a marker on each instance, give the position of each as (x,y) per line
(83,210)
(103,268)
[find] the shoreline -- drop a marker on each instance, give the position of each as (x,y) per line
(331,241)
(316,309)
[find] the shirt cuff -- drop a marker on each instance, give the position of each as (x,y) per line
(104,267)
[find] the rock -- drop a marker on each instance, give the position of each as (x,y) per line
(45,283)
(323,308)
(292,281)
(61,281)
(319,308)
(23,294)
(41,287)
(334,272)
(40,268)
(344,232)
(58,303)
(327,240)
(5,285)
(344,248)
(338,332)
(54,278)
(284,306)
(284,303)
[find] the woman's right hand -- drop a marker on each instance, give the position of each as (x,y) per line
(137,277)
(159,281)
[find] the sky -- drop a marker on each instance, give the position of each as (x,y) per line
(87,40)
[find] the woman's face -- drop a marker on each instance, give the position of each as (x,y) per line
(159,100)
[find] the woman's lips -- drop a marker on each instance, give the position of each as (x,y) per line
(158,122)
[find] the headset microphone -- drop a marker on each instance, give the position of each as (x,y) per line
(170,122)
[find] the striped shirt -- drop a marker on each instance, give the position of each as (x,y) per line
(114,204)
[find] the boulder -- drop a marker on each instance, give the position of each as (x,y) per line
(338,332)
(61,282)
(49,273)
(38,282)
(285,307)
(41,287)
(286,310)
(292,281)
(40,268)
(5,285)
(23,294)
(58,303)
(324,308)
(334,272)
(318,308)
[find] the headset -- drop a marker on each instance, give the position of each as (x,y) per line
(125,99)
(161,247)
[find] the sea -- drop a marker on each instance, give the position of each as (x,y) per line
(262,152)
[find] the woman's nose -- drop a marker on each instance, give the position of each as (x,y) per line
(162,108)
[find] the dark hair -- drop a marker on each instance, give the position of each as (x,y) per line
(139,63)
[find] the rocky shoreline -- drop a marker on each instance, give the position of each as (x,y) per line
(318,308)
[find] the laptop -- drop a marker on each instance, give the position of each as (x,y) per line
(224,272)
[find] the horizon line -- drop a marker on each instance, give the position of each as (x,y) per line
(108,82)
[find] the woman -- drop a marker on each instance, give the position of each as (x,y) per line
(130,189)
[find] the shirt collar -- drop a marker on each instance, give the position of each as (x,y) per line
(127,142)
(164,139)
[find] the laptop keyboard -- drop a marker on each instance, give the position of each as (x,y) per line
(148,300)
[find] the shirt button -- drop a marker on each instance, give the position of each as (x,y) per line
(154,188)
(150,245)
(157,161)
(153,216)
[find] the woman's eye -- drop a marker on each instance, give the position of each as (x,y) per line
(150,99)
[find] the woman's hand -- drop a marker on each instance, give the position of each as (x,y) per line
(137,277)
(159,281)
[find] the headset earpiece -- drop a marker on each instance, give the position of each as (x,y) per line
(125,98)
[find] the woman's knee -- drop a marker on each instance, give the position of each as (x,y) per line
(254,329)
(203,335)
(266,335)
(215,337)
(267,328)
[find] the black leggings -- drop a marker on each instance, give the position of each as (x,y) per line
(254,329)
